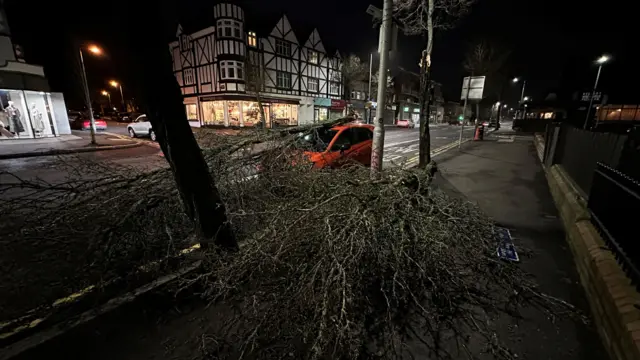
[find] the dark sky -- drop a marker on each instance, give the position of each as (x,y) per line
(553,43)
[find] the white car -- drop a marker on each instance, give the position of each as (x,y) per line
(141,127)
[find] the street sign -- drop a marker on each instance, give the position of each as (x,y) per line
(476,85)
(506,249)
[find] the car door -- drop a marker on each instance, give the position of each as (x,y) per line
(362,138)
(336,156)
(139,125)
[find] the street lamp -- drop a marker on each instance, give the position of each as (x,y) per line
(106,93)
(526,98)
(601,61)
(95,50)
(116,84)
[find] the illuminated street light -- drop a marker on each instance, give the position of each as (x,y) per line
(116,84)
(515,80)
(601,60)
(504,106)
(526,98)
(95,50)
(106,93)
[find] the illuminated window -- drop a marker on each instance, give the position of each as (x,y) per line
(283,48)
(213,112)
(185,43)
(252,39)
(283,79)
(229,28)
(312,85)
(233,111)
(313,57)
(231,70)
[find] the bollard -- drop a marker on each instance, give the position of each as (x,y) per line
(479,134)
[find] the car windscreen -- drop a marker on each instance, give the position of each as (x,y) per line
(317,139)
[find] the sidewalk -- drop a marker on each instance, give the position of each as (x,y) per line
(64,144)
(504,177)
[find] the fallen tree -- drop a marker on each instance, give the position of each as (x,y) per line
(331,264)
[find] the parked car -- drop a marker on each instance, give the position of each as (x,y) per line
(409,124)
(141,127)
(73,115)
(84,123)
(127,117)
(339,145)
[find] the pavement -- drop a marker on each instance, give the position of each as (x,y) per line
(504,177)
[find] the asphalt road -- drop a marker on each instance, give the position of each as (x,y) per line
(401,145)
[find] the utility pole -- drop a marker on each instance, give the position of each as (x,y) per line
(464,112)
(369,98)
(87,95)
(378,132)
(603,59)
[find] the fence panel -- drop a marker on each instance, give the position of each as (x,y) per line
(578,151)
(614,201)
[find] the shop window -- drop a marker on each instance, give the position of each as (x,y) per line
(39,113)
(14,116)
(229,28)
(283,80)
(334,88)
(283,47)
(250,113)
(231,70)
(213,112)
(313,57)
(252,40)
(284,114)
(322,114)
(192,112)
(233,111)
(312,85)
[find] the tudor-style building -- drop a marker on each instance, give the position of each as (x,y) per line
(223,69)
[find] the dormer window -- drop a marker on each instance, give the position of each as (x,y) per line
(185,43)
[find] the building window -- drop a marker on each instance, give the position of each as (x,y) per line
(283,79)
(228,28)
(231,70)
(213,112)
(357,95)
(252,40)
(283,48)
(313,57)
(185,43)
(312,85)
(192,111)
(284,114)
(334,88)
(188,77)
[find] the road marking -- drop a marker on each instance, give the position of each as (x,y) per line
(401,142)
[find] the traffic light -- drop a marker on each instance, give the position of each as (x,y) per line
(460,118)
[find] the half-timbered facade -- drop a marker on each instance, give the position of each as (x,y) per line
(224,69)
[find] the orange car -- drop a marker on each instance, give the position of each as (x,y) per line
(339,145)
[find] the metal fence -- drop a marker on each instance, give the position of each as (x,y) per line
(606,169)
(578,151)
(614,201)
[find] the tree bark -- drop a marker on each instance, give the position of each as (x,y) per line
(162,100)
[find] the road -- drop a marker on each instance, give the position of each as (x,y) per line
(401,145)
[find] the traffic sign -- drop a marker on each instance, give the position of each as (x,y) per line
(476,85)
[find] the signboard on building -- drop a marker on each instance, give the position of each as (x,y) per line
(338,104)
(473,87)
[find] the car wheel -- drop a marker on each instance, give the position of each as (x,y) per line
(132,133)
(152,135)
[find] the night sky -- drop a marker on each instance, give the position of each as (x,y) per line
(553,43)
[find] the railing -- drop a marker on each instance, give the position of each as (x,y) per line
(614,201)
(606,169)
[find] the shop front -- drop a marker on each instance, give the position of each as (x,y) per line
(336,111)
(31,114)
(246,112)
(321,109)
(409,112)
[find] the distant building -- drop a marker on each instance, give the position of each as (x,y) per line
(221,69)
(27,107)
(407,98)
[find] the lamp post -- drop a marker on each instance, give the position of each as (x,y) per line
(116,84)
(524,85)
(106,93)
(601,60)
(95,51)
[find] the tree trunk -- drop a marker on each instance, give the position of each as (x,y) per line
(424,155)
(161,98)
